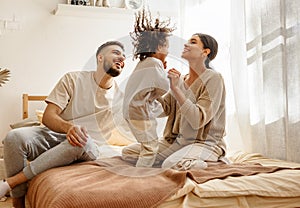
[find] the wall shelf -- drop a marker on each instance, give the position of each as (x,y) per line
(90,11)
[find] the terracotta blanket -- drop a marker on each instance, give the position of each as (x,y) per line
(113,183)
(90,184)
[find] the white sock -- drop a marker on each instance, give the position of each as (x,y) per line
(4,188)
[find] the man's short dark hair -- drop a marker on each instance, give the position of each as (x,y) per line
(109,43)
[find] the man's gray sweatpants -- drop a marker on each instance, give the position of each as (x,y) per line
(36,149)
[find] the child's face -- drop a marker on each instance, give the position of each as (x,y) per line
(165,48)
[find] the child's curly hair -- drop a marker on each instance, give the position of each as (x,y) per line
(147,36)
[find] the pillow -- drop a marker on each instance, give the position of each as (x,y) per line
(29,121)
(39,115)
(26,122)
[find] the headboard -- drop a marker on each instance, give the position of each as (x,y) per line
(27,98)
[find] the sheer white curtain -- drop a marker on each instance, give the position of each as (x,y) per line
(259,59)
(265,63)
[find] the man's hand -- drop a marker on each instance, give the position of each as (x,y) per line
(77,135)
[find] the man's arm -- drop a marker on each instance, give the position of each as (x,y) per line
(76,135)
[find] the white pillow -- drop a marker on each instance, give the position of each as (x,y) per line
(25,123)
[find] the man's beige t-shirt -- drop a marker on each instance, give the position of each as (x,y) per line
(84,103)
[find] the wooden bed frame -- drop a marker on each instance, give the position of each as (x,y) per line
(26,98)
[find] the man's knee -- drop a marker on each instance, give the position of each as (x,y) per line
(13,137)
(70,150)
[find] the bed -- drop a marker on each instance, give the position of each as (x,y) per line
(252,180)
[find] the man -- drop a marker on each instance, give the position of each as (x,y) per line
(77,117)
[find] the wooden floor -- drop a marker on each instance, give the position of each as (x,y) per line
(8,203)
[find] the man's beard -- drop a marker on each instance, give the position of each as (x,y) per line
(111,71)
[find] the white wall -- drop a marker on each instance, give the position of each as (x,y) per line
(40,47)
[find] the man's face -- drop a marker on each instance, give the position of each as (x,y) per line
(113,60)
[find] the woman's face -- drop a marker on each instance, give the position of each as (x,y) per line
(193,49)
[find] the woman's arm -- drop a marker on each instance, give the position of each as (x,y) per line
(200,112)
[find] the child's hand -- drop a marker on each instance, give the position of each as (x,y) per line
(174,71)
(173,75)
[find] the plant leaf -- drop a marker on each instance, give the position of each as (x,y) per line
(4,76)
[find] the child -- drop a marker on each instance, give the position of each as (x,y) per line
(147,83)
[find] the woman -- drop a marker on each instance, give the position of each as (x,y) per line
(195,106)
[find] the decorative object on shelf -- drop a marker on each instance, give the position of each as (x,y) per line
(81,2)
(98,3)
(134,4)
(105,3)
(4,76)
(102,3)
(92,2)
(117,3)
